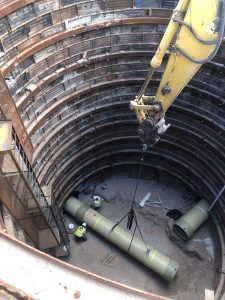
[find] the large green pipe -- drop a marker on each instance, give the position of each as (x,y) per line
(153,259)
(192,220)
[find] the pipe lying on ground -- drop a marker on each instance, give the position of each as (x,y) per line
(153,259)
(186,226)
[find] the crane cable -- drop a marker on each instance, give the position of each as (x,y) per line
(131,213)
(139,174)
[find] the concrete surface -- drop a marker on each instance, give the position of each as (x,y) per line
(40,276)
(198,260)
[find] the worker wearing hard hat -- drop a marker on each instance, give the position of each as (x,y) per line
(97,202)
(80,233)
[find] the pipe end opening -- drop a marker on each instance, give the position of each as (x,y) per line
(180,232)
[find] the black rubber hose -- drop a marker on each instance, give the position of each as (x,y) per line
(219,41)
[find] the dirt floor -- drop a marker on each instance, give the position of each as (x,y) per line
(197,258)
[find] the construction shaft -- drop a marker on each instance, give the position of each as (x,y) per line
(152,258)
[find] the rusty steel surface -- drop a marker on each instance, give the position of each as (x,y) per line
(11,113)
(59,271)
(40,120)
(34,48)
(9,292)
(9,199)
(96,87)
(71,88)
(12,6)
(30,94)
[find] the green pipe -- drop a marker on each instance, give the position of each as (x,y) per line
(186,226)
(152,258)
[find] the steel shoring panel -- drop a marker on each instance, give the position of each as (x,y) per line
(24,198)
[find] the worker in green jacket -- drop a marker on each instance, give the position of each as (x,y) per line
(80,233)
(97,202)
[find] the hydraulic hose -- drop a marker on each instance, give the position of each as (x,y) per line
(218,43)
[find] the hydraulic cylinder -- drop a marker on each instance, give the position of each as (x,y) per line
(186,226)
(148,255)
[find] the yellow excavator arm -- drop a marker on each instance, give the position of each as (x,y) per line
(200,27)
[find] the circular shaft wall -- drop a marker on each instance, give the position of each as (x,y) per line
(73,66)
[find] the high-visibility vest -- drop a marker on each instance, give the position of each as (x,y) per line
(98,202)
(81,230)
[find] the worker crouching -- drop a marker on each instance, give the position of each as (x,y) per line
(80,233)
(97,202)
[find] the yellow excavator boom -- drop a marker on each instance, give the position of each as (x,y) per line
(200,27)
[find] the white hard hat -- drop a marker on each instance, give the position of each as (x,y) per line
(84,224)
(71,226)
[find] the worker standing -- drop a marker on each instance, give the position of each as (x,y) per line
(80,233)
(97,202)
